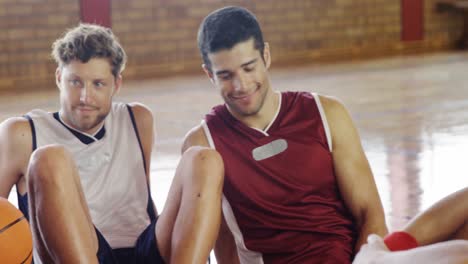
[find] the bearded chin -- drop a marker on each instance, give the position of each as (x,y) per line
(86,126)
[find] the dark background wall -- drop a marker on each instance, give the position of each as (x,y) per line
(160,35)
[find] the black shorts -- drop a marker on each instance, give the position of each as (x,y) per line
(145,250)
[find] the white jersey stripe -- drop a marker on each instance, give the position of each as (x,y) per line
(324,121)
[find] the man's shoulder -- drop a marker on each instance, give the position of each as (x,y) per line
(195,137)
(311,95)
(15,125)
(332,105)
(137,106)
(329,104)
(141,112)
(138,111)
(15,131)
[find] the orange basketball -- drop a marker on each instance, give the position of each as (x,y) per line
(15,235)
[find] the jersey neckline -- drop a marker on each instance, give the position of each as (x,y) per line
(83,137)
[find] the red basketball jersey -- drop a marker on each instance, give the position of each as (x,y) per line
(281,199)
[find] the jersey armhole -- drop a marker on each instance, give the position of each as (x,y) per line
(135,128)
(324,121)
(206,129)
(150,208)
(33,132)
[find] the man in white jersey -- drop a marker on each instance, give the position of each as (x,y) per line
(82,173)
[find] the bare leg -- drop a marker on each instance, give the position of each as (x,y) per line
(445,220)
(462,233)
(188,226)
(60,220)
(449,252)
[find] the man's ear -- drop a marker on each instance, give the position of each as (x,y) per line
(208,72)
(267,55)
(58,77)
(117,84)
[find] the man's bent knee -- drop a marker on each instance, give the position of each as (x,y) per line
(47,163)
(206,163)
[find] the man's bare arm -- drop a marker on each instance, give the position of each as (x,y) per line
(15,151)
(354,176)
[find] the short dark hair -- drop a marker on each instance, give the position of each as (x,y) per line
(88,41)
(226,27)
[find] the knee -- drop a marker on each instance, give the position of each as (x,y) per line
(206,164)
(47,164)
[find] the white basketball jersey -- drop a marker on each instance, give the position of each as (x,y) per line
(111,170)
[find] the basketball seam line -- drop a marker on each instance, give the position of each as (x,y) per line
(11,224)
(26,259)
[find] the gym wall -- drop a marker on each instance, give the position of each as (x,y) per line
(160,35)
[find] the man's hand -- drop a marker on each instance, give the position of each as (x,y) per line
(372,252)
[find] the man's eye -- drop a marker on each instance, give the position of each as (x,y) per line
(75,82)
(225,77)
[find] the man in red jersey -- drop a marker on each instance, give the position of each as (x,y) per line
(298,187)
